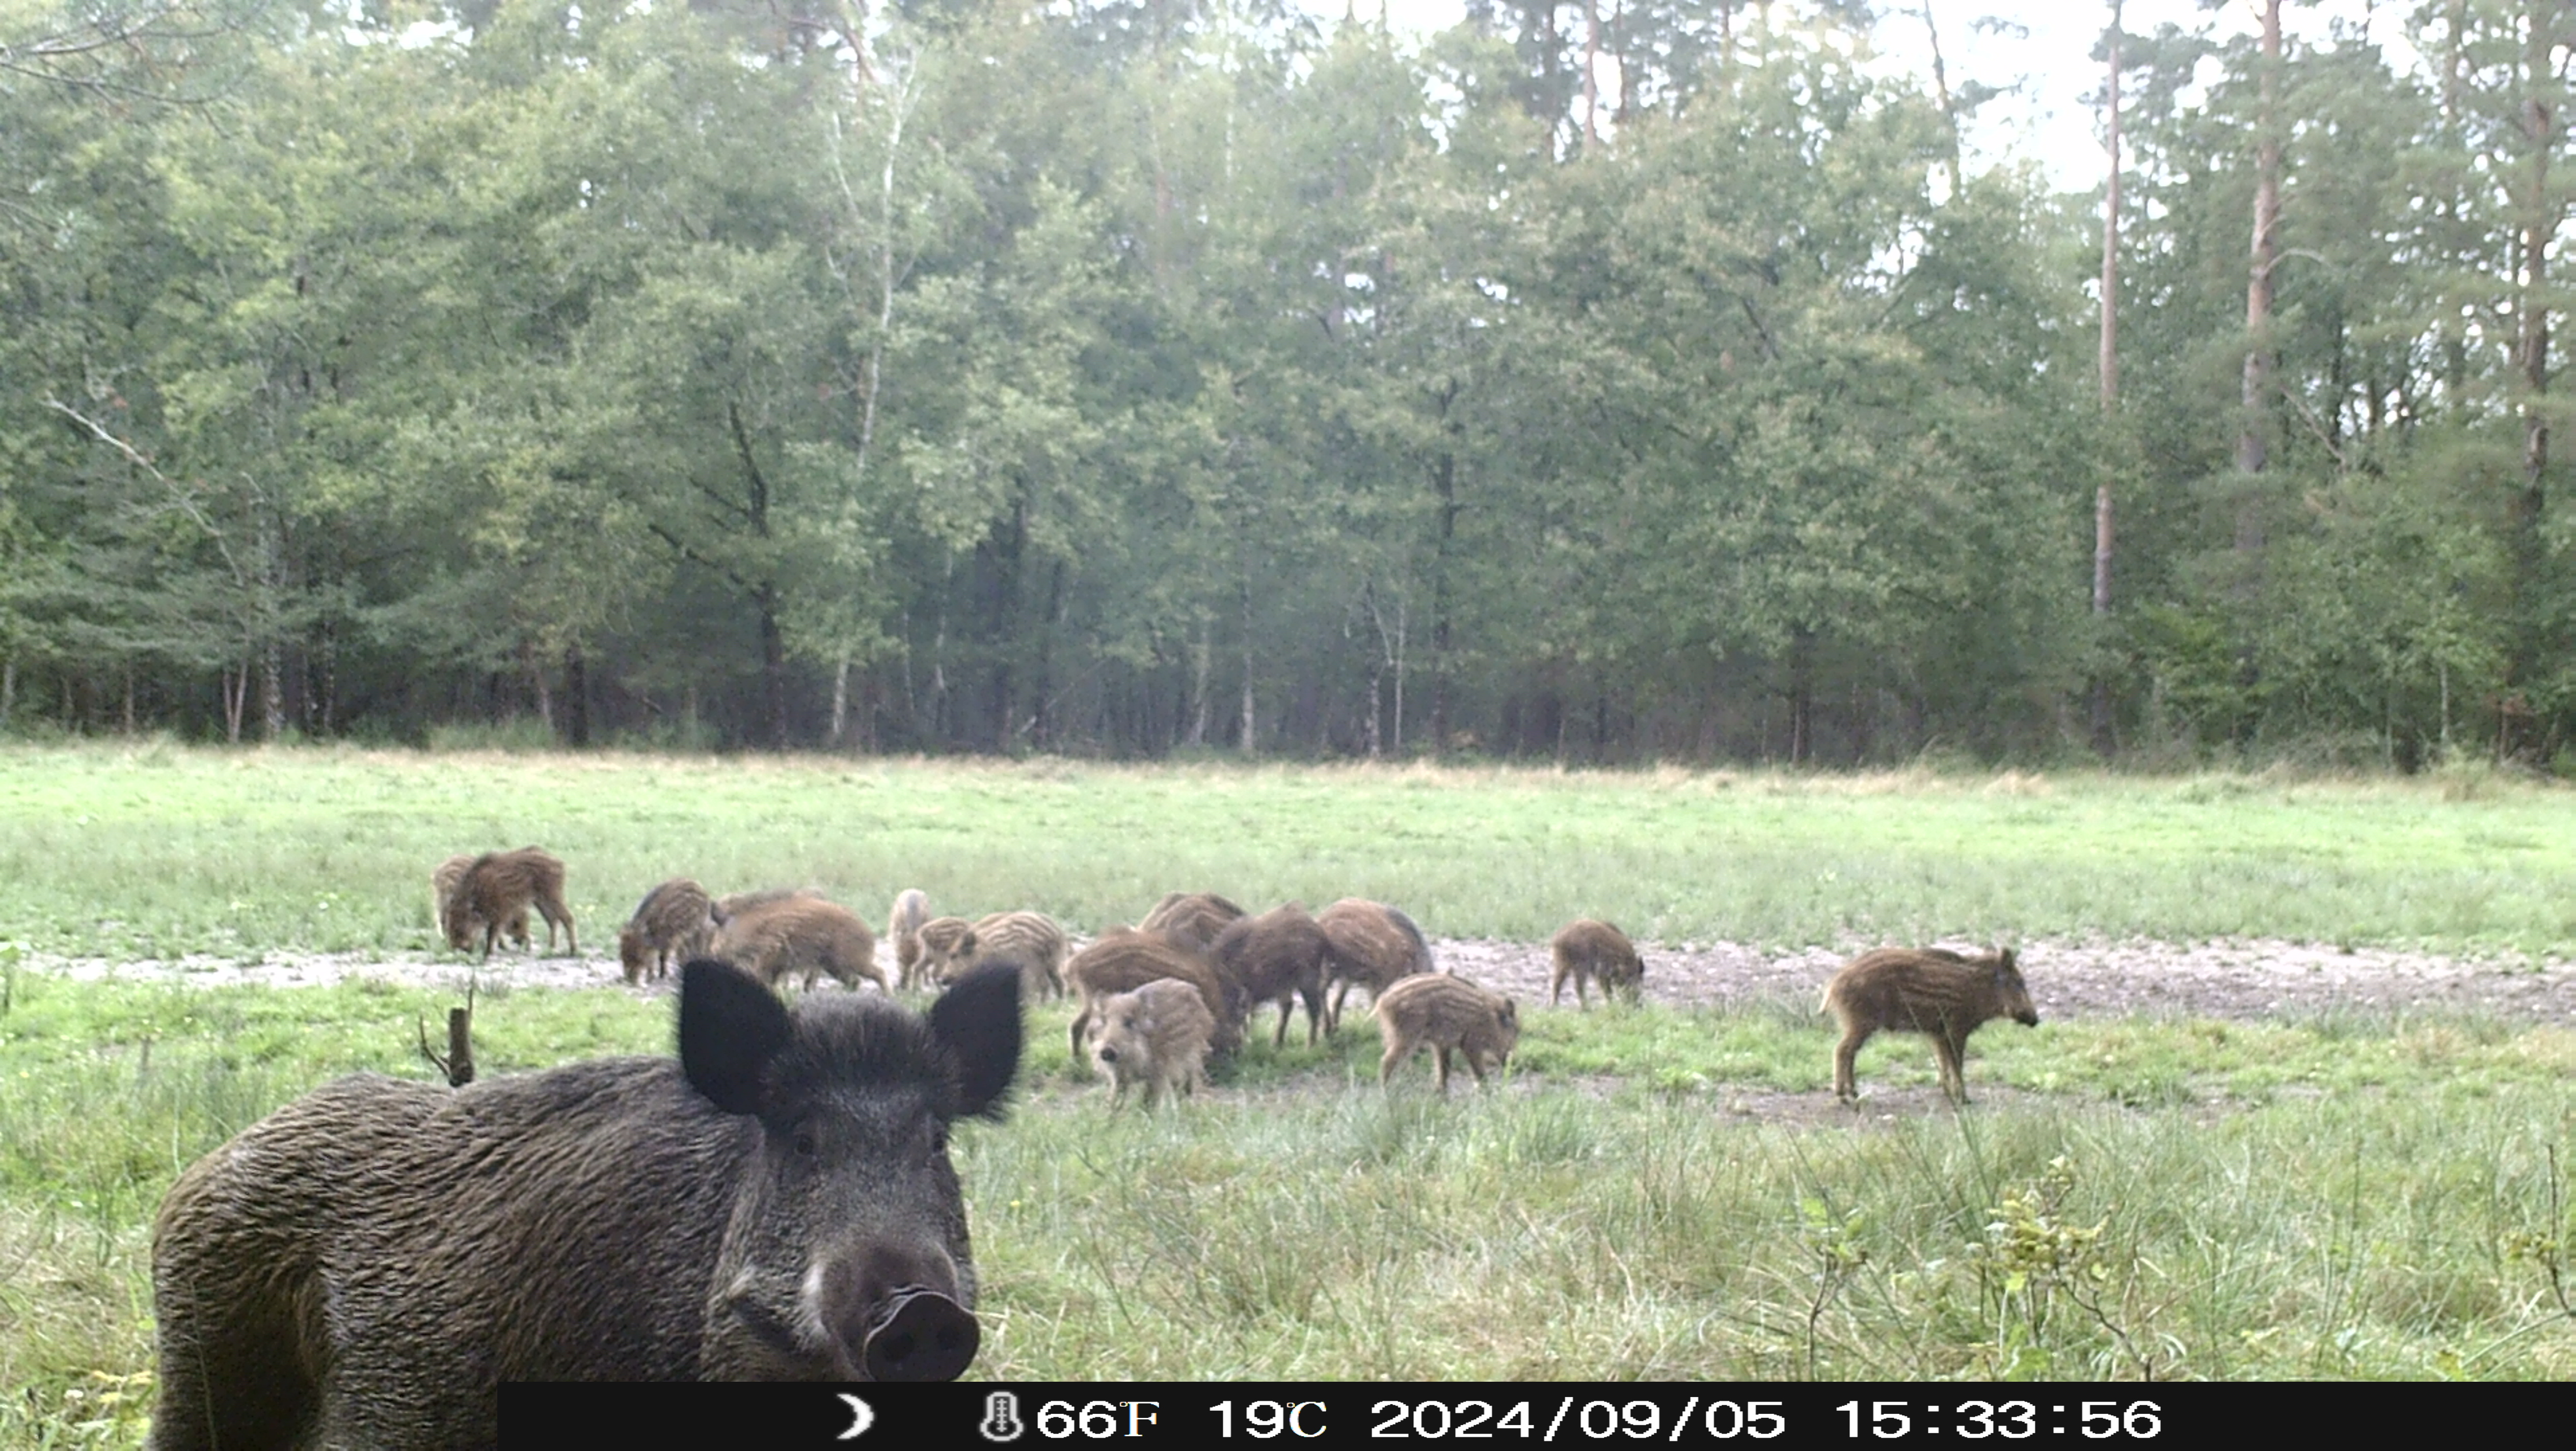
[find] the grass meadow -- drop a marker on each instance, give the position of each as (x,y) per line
(161,850)
(1649,1192)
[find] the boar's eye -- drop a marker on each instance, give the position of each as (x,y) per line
(805,1143)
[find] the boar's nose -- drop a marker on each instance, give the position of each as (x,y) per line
(924,1336)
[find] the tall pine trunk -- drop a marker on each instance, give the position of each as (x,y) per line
(576,696)
(2110,385)
(2536,227)
(1445,476)
(272,651)
(773,665)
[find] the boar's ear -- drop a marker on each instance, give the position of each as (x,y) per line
(978,1019)
(730,1029)
(2004,961)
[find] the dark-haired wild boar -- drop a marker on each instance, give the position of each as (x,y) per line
(1277,957)
(800,935)
(1030,941)
(675,919)
(1122,959)
(1932,991)
(1590,951)
(1373,945)
(1157,1035)
(1192,919)
(776,1204)
(442,891)
(1446,1014)
(499,887)
(903,929)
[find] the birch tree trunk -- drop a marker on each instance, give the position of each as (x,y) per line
(1950,110)
(1200,660)
(1251,727)
(2252,444)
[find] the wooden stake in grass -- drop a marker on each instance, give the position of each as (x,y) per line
(458,1065)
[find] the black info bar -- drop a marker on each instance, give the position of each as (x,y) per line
(1496,1415)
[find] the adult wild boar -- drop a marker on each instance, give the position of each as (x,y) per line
(1373,945)
(797,934)
(675,919)
(1587,951)
(1932,991)
(777,1204)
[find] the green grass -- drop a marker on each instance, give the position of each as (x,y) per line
(1647,1192)
(159,850)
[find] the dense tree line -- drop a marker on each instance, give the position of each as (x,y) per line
(1122,378)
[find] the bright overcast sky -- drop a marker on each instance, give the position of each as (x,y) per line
(2042,54)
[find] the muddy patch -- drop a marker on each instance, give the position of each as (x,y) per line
(2244,980)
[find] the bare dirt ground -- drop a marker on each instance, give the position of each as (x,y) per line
(2241,980)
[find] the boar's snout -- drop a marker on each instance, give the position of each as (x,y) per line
(900,1316)
(925,1336)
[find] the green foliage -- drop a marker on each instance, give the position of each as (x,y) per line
(1028,381)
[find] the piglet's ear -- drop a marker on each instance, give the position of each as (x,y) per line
(978,1020)
(730,1029)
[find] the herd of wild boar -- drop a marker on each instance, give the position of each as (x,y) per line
(367,1265)
(1158,1000)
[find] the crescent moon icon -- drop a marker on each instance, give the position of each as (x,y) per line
(862,1416)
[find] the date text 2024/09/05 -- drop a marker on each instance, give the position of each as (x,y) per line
(1131,1415)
